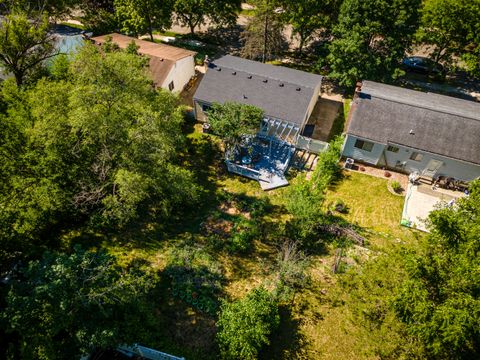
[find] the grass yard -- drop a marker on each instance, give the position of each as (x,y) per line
(229,242)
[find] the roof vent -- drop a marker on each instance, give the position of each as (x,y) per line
(249,76)
(245,96)
(298,89)
(281,85)
(219,69)
(265,80)
(412,132)
(234,73)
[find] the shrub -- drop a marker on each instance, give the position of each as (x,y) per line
(243,235)
(244,326)
(387,174)
(340,206)
(396,186)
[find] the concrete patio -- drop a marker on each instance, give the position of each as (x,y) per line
(420,200)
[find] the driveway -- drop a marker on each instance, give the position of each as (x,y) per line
(421,200)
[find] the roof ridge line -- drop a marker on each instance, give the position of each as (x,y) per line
(383,97)
(268,77)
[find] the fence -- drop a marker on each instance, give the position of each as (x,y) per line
(147,353)
(311,145)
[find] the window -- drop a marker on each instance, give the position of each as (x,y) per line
(364,145)
(171,86)
(392,148)
(416,156)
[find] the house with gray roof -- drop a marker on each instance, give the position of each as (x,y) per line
(412,131)
(287,97)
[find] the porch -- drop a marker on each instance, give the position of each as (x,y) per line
(261,158)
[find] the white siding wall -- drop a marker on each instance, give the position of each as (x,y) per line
(453,168)
(181,73)
(370,157)
(311,105)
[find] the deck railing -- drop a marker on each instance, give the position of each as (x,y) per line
(243,170)
(311,145)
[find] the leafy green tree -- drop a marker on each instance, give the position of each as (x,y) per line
(232,121)
(451,27)
(305,197)
(100,147)
(244,326)
(67,305)
(24,44)
(54,8)
(144,16)
(440,300)
(193,13)
(99,16)
(371,38)
(308,17)
(263,37)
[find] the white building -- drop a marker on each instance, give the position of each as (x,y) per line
(171,67)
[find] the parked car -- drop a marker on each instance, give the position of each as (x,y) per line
(422,65)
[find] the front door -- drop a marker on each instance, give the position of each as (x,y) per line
(432,167)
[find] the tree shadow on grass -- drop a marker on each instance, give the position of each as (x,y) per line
(287,340)
(190,290)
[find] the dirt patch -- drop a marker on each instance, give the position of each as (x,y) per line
(215,226)
(323,116)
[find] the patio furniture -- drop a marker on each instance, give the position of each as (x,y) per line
(461,185)
(349,163)
(206,128)
(246,160)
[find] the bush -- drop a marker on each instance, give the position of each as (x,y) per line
(340,206)
(396,186)
(244,326)
(244,234)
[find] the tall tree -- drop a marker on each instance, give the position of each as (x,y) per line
(99,147)
(24,44)
(440,299)
(233,121)
(263,37)
(309,16)
(144,16)
(244,326)
(64,306)
(451,27)
(371,38)
(193,13)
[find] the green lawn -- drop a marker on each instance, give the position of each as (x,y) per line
(312,328)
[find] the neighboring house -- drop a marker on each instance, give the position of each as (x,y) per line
(286,96)
(413,131)
(171,67)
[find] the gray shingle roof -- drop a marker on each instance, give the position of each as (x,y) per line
(441,124)
(271,88)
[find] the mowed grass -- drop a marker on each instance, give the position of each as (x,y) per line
(370,206)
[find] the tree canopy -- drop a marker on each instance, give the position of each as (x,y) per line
(99,147)
(232,121)
(24,44)
(440,299)
(193,13)
(244,326)
(449,36)
(144,16)
(371,39)
(65,305)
